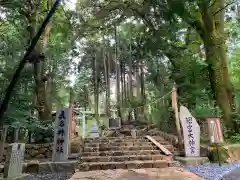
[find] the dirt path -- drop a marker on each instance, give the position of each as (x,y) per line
(172,173)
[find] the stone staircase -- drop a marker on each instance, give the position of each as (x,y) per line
(123,153)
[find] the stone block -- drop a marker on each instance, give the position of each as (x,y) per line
(192,160)
(40,156)
(159,164)
(174,164)
(20,177)
(1,168)
(55,167)
(32,167)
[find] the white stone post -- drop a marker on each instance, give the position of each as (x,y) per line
(83,124)
(15,158)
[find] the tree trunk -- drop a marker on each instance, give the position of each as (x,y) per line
(138,87)
(130,89)
(42,81)
(96,76)
(213,36)
(142,85)
(117,69)
(44,110)
(219,83)
(124,84)
(2,140)
(138,82)
(106,74)
(211,30)
(86,99)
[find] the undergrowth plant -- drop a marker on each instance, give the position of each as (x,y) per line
(218,154)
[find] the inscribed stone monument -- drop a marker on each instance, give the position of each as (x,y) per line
(94,133)
(15,158)
(191,133)
(61,135)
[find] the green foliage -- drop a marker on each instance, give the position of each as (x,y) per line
(206,110)
(159,35)
(218,154)
(235,138)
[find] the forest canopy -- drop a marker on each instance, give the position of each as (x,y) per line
(142,47)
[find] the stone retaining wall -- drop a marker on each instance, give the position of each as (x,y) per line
(44,151)
(35,151)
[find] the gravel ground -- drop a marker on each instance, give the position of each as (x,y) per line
(214,171)
(54,176)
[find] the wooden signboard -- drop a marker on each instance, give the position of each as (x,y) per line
(215,130)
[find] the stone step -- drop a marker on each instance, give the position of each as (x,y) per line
(131,143)
(122,165)
(123,158)
(116,140)
(113,138)
(158,138)
(122,153)
(119,148)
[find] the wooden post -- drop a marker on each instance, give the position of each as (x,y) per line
(2,141)
(175,108)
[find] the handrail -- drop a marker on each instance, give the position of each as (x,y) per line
(160,146)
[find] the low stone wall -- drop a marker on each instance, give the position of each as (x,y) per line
(35,151)
(44,151)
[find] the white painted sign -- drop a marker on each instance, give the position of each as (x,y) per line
(94,133)
(14,165)
(61,133)
(191,133)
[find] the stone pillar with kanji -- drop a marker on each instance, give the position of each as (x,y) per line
(191,133)
(61,135)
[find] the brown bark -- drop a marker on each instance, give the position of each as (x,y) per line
(142,85)
(130,89)
(214,55)
(106,74)
(2,140)
(117,69)
(43,106)
(86,99)
(138,82)
(124,84)
(213,36)
(22,63)
(96,76)
(41,79)
(211,30)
